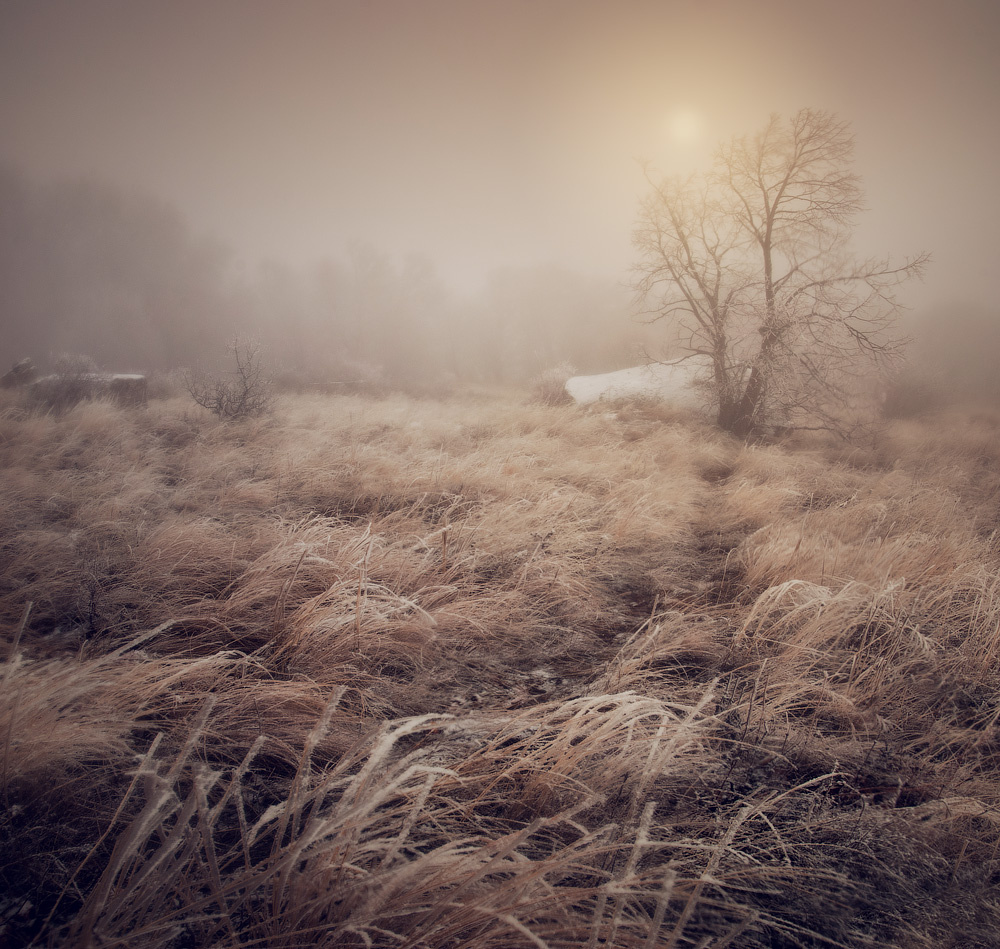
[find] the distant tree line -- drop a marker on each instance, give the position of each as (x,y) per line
(86,267)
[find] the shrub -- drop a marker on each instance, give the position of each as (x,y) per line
(245,391)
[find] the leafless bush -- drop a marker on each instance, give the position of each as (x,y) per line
(244,391)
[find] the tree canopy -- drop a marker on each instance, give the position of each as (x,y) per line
(751,264)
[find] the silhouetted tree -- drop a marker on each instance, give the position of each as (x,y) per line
(751,264)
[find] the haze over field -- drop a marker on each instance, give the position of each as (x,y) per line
(328,618)
(482,136)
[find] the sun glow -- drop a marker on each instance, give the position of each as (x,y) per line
(685,126)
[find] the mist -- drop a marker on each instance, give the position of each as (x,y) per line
(362,582)
(418,191)
(123,278)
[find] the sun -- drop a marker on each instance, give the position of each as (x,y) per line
(685,126)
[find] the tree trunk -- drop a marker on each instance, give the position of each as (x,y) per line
(745,413)
(747,417)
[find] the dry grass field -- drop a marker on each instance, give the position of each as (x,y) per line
(481,673)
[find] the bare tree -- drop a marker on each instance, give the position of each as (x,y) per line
(751,265)
(242,392)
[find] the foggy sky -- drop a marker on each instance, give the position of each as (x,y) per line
(485,134)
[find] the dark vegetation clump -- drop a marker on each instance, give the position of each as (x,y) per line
(75,379)
(496,674)
(21,374)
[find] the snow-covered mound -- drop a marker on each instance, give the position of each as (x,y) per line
(670,382)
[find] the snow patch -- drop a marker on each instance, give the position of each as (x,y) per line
(669,382)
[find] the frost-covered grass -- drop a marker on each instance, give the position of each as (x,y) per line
(490,673)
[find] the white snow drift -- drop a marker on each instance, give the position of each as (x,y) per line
(670,382)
